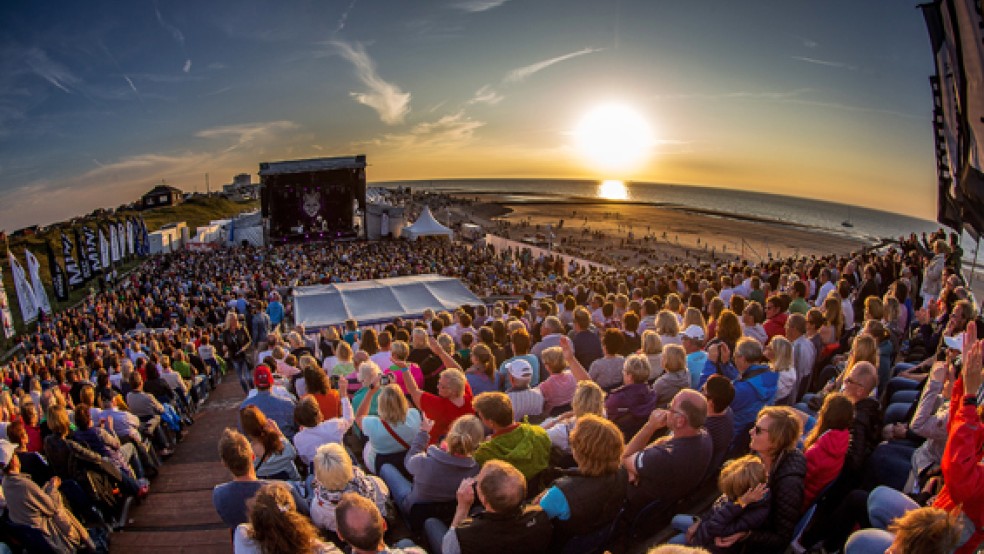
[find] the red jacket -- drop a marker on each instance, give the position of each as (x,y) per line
(824,461)
(963,472)
(776,325)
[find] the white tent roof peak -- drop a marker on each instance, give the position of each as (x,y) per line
(427,225)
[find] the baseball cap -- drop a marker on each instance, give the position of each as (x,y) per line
(262,377)
(955,342)
(7,450)
(693,332)
(520,369)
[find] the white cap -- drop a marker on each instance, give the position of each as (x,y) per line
(7,450)
(520,369)
(695,332)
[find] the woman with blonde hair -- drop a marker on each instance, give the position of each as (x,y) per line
(276,527)
(833,313)
(668,327)
(693,317)
(652,347)
(335,475)
(437,470)
(341,363)
(589,398)
(389,433)
(779,352)
(676,377)
(597,446)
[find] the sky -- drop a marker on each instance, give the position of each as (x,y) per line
(102,100)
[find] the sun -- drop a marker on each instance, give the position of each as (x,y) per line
(614,138)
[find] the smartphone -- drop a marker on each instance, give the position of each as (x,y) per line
(386,379)
(334,381)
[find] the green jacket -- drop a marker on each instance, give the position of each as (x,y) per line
(526,447)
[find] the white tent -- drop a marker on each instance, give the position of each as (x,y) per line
(378,300)
(427,226)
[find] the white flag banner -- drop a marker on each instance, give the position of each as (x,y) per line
(114,243)
(25,295)
(104,250)
(130,236)
(6,318)
(40,295)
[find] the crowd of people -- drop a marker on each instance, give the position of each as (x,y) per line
(829,403)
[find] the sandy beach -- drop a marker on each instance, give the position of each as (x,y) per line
(630,233)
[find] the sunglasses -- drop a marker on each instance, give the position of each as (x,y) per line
(758,430)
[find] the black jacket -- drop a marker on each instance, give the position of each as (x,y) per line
(786,503)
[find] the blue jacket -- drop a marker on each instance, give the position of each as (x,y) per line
(754,389)
(710,368)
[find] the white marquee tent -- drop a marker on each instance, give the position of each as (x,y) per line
(378,300)
(427,226)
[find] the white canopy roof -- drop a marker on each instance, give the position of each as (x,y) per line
(427,226)
(378,300)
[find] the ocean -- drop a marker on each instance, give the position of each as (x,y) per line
(868,224)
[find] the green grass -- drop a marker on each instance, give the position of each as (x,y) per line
(195,212)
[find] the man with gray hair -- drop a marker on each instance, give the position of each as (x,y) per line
(755,386)
(804,352)
(551,330)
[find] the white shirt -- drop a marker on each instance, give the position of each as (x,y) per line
(822,295)
(308,439)
(381,359)
(848,310)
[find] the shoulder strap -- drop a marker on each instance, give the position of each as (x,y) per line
(393,434)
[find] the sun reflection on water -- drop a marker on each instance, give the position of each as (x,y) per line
(613,190)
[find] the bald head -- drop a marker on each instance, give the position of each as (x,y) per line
(359,522)
(691,404)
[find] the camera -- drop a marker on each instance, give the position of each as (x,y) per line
(334,381)
(386,379)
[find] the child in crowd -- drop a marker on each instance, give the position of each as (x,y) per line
(740,507)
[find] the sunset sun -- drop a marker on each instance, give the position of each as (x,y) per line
(614,137)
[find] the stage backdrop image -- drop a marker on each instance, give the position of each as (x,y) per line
(312,199)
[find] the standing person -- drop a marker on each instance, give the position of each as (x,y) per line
(275,310)
(235,345)
(260,327)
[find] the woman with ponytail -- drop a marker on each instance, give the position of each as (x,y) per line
(275,526)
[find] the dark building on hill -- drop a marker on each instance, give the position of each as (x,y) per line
(161,195)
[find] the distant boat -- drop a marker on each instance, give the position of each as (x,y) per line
(847,222)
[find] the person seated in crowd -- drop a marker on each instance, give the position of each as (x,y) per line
(525,446)
(362,527)
(481,374)
(588,399)
(739,509)
(389,434)
(676,377)
(230,499)
(775,317)
(315,383)
(630,405)
(505,525)
(526,401)
(925,530)
(521,343)
(607,370)
(101,440)
(279,409)
(805,352)
(826,445)
(32,464)
(673,466)
(335,475)
(437,470)
(558,388)
(585,499)
(399,367)
(274,454)
(773,440)
(551,330)
(275,525)
(40,507)
(779,353)
(584,340)
(314,431)
(692,339)
(755,384)
(720,422)
(453,398)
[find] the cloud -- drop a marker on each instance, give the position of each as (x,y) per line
(187,66)
(826,63)
(449,131)
(344,17)
(50,70)
(175,33)
(246,133)
(132,87)
(805,41)
(741,94)
(523,73)
(486,95)
(476,6)
(389,101)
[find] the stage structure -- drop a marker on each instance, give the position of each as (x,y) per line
(379,300)
(316,199)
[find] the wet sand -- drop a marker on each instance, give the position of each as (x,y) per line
(632,233)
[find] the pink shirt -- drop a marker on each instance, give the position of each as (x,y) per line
(397,376)
(558,390)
